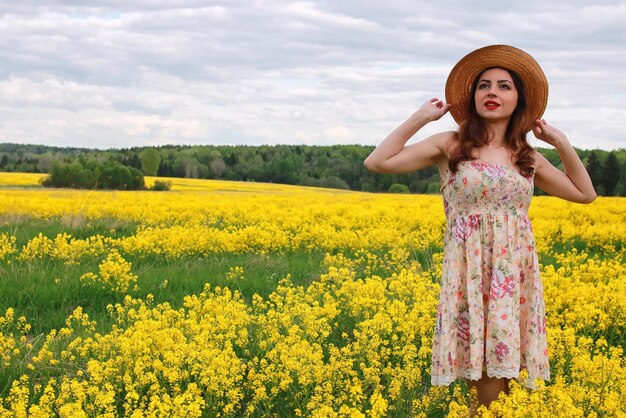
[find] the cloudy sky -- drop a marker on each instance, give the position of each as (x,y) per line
(127,73)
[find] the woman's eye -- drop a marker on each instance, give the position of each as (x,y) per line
(482,86)
(506,86)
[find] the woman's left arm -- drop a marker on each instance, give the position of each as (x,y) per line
(574,184)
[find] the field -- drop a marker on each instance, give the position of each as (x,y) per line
(241,299)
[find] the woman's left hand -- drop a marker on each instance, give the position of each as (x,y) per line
(548,133)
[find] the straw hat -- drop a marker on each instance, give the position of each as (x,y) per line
(462,76)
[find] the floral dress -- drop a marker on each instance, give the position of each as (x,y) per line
(491,313)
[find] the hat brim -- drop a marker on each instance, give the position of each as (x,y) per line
(461,79)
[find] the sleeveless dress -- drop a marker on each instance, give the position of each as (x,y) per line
(491,312)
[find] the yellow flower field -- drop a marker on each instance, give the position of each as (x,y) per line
(21,179)
(354,342)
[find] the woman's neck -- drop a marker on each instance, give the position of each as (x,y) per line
(497,134)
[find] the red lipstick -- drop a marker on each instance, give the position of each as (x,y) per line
(491,105)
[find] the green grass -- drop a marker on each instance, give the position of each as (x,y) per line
(46,292)
(24,228)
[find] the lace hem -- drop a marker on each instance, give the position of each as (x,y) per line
(473,374)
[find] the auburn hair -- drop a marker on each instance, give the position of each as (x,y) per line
(473,132)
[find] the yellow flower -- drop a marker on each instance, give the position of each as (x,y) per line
(114,273)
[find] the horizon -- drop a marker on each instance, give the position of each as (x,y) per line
(622,149)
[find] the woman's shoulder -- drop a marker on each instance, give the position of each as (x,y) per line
(445,141)
(441,137)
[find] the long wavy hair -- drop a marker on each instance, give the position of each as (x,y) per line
(473,132)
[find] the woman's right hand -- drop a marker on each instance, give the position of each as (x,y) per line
(434,109)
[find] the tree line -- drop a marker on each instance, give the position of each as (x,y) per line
(336,166)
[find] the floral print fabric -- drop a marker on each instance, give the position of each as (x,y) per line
(491,313)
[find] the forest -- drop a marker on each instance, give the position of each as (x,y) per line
(336,166)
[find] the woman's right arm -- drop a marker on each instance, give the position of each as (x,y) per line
(392,157)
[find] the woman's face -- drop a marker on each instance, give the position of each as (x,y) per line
(496,95)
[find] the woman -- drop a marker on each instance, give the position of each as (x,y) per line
(491,314)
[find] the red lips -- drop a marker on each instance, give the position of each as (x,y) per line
(491,105)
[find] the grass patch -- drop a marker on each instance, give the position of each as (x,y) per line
(24,228)
(46,292)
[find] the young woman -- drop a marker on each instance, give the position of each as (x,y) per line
(491,315)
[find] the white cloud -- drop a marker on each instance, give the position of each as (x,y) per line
(119,74)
